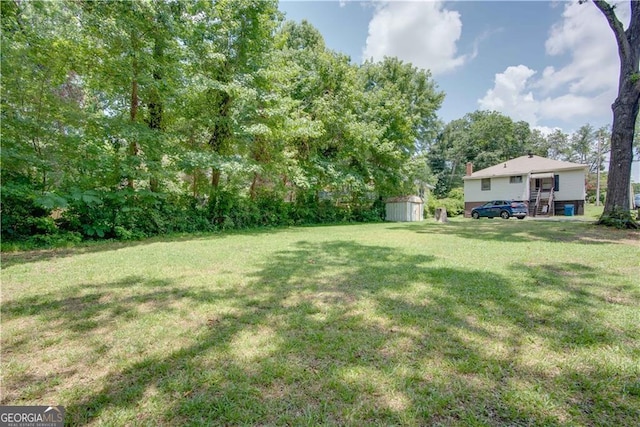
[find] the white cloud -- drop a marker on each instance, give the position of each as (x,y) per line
(513,94)
(583,88)
(510,95)
(423,33)
(585,35)
(545,130)
(569,106)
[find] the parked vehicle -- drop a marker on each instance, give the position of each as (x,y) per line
(502,208)
(636,201)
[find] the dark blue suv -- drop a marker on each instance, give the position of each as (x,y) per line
(502,208)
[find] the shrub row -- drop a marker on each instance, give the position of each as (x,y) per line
(128,215)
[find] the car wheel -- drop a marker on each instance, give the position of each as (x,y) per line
(504,215)
(475,215)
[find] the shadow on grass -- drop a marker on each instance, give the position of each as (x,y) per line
(88,306)
(350,334)
(579,232)
(505,231)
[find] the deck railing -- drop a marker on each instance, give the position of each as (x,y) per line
(536,206)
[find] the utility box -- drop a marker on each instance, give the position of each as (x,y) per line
(404,209)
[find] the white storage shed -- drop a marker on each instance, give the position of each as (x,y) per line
(404,209)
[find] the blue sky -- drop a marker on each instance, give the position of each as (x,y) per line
(553,64)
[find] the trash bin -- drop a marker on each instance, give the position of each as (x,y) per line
(568,210)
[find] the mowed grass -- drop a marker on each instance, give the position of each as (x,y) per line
(487,322)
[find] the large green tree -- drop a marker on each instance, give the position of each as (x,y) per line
(42,100)
(582,145)
(558,142)
(401,102)
(228,42)
(483,138)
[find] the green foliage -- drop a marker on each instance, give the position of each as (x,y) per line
(57,240)
(27,220)
(591,196)
(454,203)
(484,138)
(198,116)
(229,211)
(22,216)
(129,215)
(619,218)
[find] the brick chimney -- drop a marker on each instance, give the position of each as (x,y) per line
(469,168)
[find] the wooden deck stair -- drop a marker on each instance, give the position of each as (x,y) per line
(542,202)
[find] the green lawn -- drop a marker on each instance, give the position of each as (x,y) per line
(487,322)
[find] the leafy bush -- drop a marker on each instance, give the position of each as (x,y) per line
(22,216)
(125,214)
(92,213)
(184,214)
(591,198)
(59,240)
(374,213)
(454,204)
(271,210)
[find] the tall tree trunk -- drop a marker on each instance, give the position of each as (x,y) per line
(219,141)
(133,145)
(156,109)
(625,107)
(133,111)
(598,168)
(215,178)
(625,112)
(254,186)
(260,154)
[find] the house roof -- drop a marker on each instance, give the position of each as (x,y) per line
(404,199)
(525,165)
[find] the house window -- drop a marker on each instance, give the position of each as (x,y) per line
(556,182)
(486,184)
(515,179)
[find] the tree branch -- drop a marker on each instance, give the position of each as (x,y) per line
(617,27)
(633,32)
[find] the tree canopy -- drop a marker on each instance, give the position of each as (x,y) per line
(126,119)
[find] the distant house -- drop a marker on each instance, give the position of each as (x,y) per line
(546,185)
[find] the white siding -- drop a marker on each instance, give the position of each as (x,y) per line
(501,188)
(571,188)
(404,211)
(571,185)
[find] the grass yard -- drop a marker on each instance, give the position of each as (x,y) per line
(487,322)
